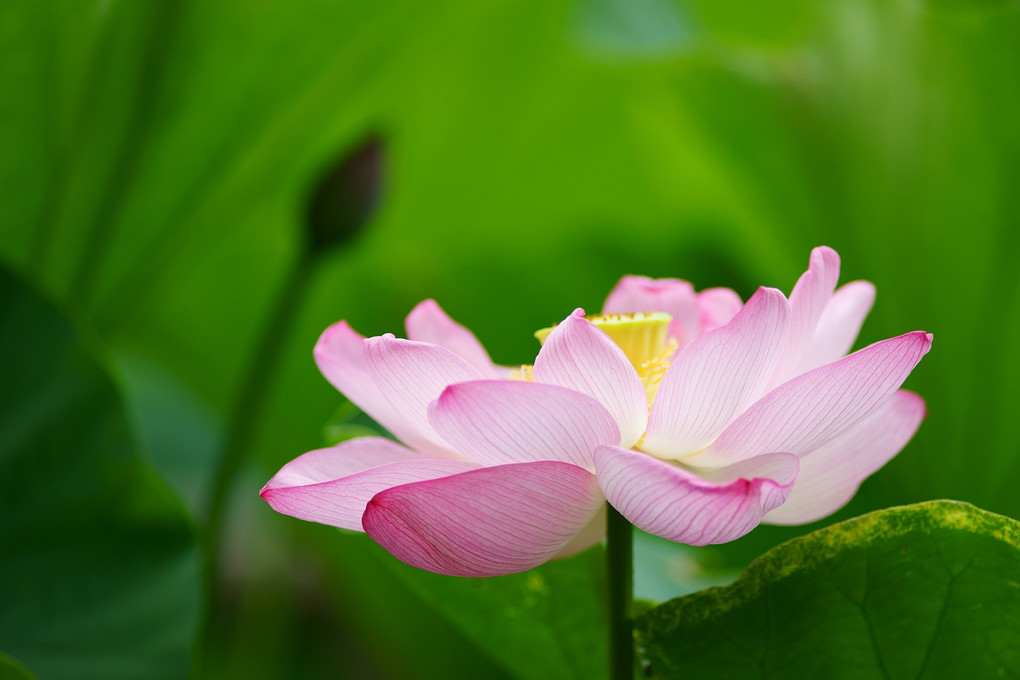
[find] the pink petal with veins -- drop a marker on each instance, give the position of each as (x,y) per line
(807,411)
(718,306)
(486,522)
(339,354)
(715,378)
(412,375)
(669,501)
(807,302)
(829,475)
(333,486)
(592,534)
(579,356)
(427,322)
(507,421)
(838,326)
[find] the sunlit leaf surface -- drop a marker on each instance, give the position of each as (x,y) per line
(923,591)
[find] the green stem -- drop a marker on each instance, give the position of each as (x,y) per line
(242,425)
(254,390)
(620,569)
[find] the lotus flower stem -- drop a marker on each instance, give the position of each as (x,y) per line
(620,570)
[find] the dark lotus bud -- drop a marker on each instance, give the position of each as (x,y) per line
(345,197)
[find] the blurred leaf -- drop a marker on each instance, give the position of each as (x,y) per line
(631,28)
(664,570)
(748,25)
(10,669)
(550,622)
(922,591)
(99,574)
(180,434)
(349,422)
(408,635)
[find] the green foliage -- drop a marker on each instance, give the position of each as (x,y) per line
(10,669)
(922,591)
(172,179)
(549,622)
(99,574)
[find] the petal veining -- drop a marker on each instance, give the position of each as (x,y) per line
(429,323)
(838,325)
(668,500)
(487,522)
(333,486)
(579,356)
(805,412)
(808,300)
(830,475)
(411,375)
(495,422)
(339,354)
(711,381)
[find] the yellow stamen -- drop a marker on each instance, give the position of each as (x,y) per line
(522,373)
(644,339)
(652,372)
(642,336)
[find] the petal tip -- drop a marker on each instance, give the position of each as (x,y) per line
(770,293)
(824,253)
(332,336)
(427,303)
(425,308)
(922,339)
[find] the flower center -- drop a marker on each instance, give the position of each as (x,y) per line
(644,339)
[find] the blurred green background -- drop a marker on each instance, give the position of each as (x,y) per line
(160,167)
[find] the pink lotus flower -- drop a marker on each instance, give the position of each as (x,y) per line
(695,416)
